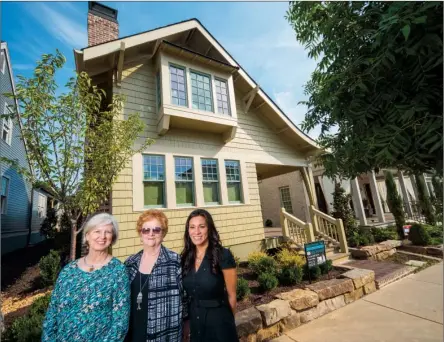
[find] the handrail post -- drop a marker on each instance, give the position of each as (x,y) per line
(314,219)
(309,232)
(284,224)
(342,237)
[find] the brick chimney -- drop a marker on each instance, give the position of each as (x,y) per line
(102,23)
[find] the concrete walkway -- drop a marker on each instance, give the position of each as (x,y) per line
(408,310)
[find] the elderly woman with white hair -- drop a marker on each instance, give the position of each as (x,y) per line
(91,298)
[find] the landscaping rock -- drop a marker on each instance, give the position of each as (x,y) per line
(369,288)
(384,255)
(359,276)
(415,249)
(392,243)
(309,314)
(332,288)
(291,322)
(273,312)
(300,299)
(368,252)
(415,263)
(248,321)
(267,333)
(354,295)
(330,305)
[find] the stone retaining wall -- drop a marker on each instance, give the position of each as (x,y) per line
(432,251)
(291,309)
(380,251)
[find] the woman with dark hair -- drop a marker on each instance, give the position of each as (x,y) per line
(209,279)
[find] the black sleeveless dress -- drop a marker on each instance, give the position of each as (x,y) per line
(211,318)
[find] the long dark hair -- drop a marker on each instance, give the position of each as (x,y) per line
(188,254)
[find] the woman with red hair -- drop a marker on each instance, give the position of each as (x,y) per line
(155,275)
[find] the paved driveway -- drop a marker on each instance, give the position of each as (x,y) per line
(408,310)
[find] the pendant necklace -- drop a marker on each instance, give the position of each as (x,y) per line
(140,295)
(93,266)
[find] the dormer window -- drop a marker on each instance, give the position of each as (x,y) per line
(201,91)
(178,86)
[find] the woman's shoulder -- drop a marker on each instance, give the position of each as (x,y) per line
(226,258)
(134,258)
(172,255)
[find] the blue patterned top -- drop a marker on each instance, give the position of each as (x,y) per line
(89,306)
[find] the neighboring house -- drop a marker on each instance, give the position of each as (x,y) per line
(369,195)
(217,133)
(20,225)
(15,189)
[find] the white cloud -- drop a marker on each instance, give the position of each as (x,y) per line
(59,25)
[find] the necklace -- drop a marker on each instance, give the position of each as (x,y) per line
(140,295)
(92,267)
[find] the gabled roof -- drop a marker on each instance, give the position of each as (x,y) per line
(90,53)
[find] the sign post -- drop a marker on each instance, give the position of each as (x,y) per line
(315,255)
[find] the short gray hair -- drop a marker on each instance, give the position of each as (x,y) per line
(99,220)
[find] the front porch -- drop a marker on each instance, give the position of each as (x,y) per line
(292,215)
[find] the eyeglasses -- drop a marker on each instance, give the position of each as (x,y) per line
(146,231)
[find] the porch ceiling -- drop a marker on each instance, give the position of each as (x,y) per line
(265,171)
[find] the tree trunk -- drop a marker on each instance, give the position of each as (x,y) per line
(72,253)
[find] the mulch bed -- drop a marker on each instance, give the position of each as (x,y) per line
(257,297)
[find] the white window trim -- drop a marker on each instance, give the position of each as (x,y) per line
(9,123)
(218,182)
(4,210)
(289,198)
(239,181)
(3,68)
(165,61)
(42,210)
(164,182)
(170,182)
(193,181)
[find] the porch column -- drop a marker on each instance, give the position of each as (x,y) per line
(376,197)
(311,195)
(415,188)
(357,201)
(405,195)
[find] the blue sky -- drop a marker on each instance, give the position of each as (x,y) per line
(255,33)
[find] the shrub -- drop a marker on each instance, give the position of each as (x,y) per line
(268,223)
(29,327)
(434,231)
(255,256)
(290,275)
(343,211)
(384,234)
(362,237)
(418,235)
(242,289)
(49,267)
(314,272)
(265,264)
(326,267)
(288,257)
(394,202)
(267,281)
(48,227)
(424,200)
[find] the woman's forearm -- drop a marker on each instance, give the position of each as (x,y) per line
(233,303)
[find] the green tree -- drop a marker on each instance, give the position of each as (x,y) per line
(342,210)
(394,202)
(424,200)
(378,80)
(78,142)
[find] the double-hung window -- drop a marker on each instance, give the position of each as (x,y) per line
(286,199)
(158,90)
(232,169)
(223,104)
(153,181)
(178,86)
(184,178)
(210,178)
(4,194)
(2,62)
(7,126)
(201,91)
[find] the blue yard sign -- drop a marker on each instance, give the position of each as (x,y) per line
(315,253)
